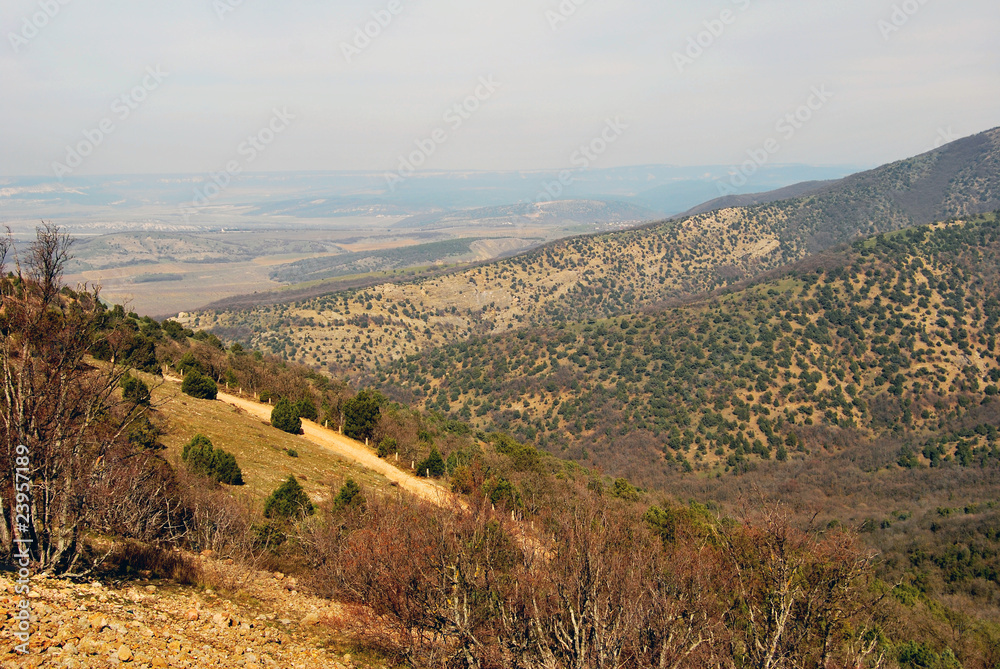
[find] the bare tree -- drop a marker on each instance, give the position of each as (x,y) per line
(685,626)
(47,260)
(6,246)
(598,589)
(60,413)
(801,597)
(598,599)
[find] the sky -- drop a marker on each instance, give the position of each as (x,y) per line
(193,86)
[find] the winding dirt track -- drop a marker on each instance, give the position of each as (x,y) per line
(352,450)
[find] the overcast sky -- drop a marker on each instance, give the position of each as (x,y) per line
(226,65)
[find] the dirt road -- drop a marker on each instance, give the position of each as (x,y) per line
(349,449)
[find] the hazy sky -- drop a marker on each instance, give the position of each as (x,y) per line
(902,76)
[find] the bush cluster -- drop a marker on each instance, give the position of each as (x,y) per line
(199,386)
(203,458)
(432,466)
(361,414)
(135,391)
(288,501)
(285,417)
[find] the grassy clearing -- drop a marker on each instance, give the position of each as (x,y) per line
(260,450)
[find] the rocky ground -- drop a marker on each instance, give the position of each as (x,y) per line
(260,620)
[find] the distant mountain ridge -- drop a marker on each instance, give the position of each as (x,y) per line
(959,179)
(751,199)
(616,273)
(533,213)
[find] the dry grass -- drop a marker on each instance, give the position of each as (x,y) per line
(260,450)
(654,263)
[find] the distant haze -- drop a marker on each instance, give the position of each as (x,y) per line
(181,86)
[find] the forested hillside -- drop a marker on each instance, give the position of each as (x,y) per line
(957,179)
(617,273)
(896,334)
(540,562)
(596,275)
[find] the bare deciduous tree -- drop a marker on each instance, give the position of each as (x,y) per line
(6,246)
(599,588)
(60,414)
(801,597)
(47,259)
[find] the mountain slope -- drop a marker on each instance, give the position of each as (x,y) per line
(751,199)
(958,179)
(262,452)
(897,335)
(617,273)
